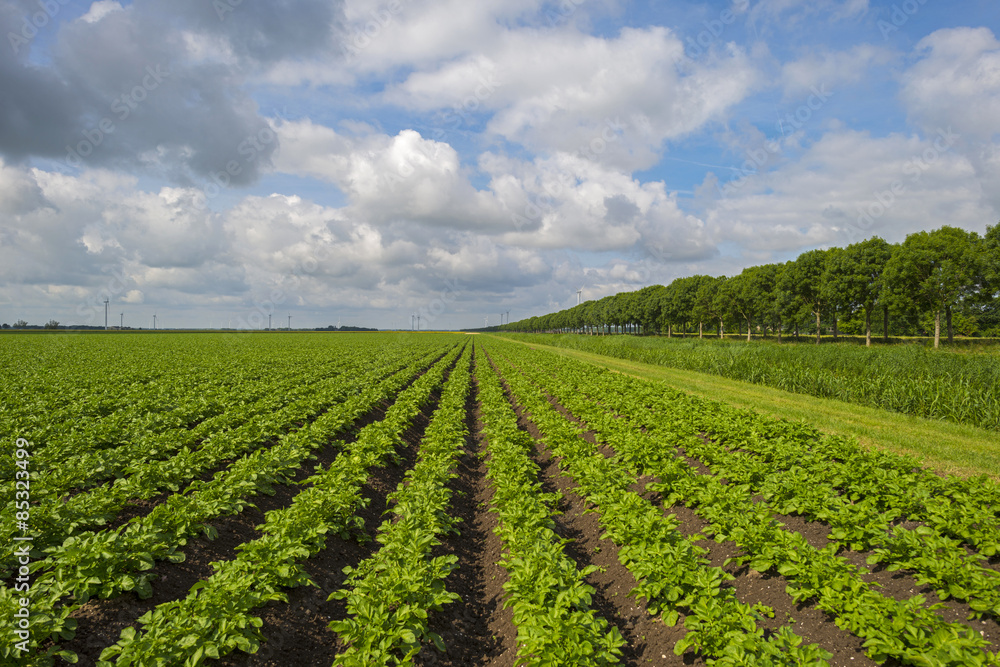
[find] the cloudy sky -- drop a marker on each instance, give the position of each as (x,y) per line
(361,161)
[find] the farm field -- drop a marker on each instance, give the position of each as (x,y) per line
(440,499)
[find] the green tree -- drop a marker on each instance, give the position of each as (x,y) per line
(803,281)
(854,278)
(747,294)
(706,306)
(937,271)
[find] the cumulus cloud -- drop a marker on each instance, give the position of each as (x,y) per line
(956,82)
(405,177)
(615,99)
(849,186)
(152,85)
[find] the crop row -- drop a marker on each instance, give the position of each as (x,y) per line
(832,480)
(907,631)
(545,588)
(390,594)
(55,519)
(83,458)
(74,409)
(217,615)
(672,572)
(108,562)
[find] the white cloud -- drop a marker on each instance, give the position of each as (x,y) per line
(100,9)
(849,186)
(618,99)
(956,82)
(832,68)
(388,179)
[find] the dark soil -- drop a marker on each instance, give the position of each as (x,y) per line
(476,630)
(100,622)
(647,638)
(297,632)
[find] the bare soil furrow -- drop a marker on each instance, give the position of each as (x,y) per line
(100,622)
(476,630)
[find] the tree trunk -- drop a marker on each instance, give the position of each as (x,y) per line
(868,328)
(796,331)
(779,331)
(748,329)
(699,330)
(951,338)
(885,323)
(835,326)
(937,328)
(670,331)
(722,329)
(817,327)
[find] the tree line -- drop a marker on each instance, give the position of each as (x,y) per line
(947,276)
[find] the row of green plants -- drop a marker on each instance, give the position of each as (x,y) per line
(672,572)
(390,594)
(109,563)
(908,379)
(546,590)
(837,482)
(659,428)
(217,617)
(54,518)
(965,509)
(80,459)
(113,389)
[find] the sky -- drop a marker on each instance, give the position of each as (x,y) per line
(362,162)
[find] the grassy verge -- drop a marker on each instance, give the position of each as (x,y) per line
(943,446)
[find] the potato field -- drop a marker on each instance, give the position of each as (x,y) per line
(443,499)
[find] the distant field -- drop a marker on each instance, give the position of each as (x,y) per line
(958,386)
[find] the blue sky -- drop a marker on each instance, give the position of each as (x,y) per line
(362,161)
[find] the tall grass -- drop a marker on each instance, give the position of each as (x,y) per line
(910,379)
